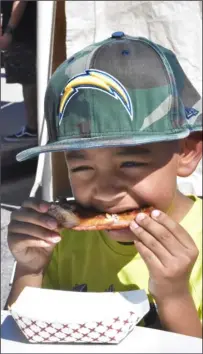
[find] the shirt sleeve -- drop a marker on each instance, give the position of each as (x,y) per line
(50,279)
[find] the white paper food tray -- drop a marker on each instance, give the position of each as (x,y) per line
(66,316)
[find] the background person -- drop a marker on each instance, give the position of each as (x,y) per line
(18,41)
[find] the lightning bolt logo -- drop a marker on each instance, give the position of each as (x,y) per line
(97,80)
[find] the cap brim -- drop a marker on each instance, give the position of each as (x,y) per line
(91,143)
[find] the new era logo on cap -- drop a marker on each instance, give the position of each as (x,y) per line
(190,112)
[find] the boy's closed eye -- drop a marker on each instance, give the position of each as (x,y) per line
(126,164)
(131,164)
(80,168)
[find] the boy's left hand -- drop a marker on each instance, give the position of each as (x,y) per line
(168,251)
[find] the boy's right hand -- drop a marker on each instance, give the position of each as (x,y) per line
(31,235)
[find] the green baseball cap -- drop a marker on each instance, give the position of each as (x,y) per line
(122,91)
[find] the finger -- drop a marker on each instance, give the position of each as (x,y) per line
(175,228)
(18,243)
(152,244)
(40,206)
(160,233)
(33,217)
(150,259)
(33,230)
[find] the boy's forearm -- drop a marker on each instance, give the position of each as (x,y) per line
(22,279)
(180,316)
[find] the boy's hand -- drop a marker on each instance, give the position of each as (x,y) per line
(168,251)
(31,235)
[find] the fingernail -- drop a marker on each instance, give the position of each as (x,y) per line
(155,213)
(133,225)
(55,239)
(140,217)
(52,224)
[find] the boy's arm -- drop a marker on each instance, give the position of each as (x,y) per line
(31,240)
(22,279)
(180,315)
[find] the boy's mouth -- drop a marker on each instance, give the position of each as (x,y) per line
(95,210)
(125,210)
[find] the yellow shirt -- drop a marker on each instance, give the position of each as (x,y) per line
(91,261)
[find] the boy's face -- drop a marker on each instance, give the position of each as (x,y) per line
(116,180)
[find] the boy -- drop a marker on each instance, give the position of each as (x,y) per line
(129,123)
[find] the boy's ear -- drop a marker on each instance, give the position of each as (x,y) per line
(190,154)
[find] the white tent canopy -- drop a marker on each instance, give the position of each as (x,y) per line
(177,25)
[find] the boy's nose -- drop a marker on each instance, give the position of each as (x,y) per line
(108,195)
(108,192)
(105,202)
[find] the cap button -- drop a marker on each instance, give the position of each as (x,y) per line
(118,34)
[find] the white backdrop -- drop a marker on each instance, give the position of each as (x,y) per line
(176,25)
